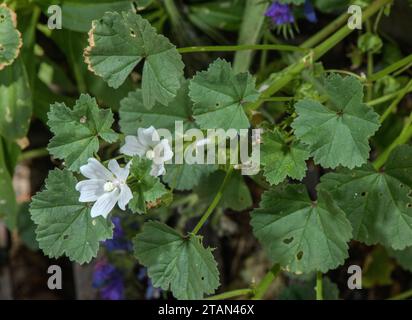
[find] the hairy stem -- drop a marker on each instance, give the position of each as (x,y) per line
(231,294)
(296,68)
(278,47)
(264,285)
(392,107)
(214,203)
(393,67)
(403,138)
(33,154)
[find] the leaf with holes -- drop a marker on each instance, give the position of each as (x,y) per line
(219,96)
(10,37)
(119,41)
(134,114)
(338,133)
(180,264)
(299,234)
(281,159)
(378,204)
(65,225)
(77,131)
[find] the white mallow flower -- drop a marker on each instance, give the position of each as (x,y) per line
(104,187)
(147,144)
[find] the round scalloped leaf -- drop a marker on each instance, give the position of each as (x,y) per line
(65,225)
(300,234)
(133,113)
(77,131)
(10,37)
(378,204)
(119,41)
(338,133)
(281,159)
(180,264)
(219,96)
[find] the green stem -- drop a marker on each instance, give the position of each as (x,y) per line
(385,98)
(267,280)
(33,154)
(296,68)
(279,47)
(402,296)
(326,31)
(279,99)
(214,203)
(389,69)
(319,286)
(395,102)
(231,294)
(404,137)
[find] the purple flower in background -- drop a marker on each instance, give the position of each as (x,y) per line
(280,13)
(151,292)
(109,280)
(309,12)
(119,241)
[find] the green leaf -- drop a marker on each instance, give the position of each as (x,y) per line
(15,101)
(224,15)
(186,176)
(134,114)
(10,37)
(176,263)
(77,131)
(219,95)
(300,234)
(236,195)
(250,32)
(281,159)
(8,206)
(65,225)
(146,188)
(26,227)
(77,15)
(369,42)
(118,42)
(378,204)
(338,133)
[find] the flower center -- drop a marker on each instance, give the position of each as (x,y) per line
(109,186)
(150,154)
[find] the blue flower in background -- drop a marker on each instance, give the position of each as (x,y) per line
(280,13)
(309,12)
(119,241)
(109,280)
(151,292)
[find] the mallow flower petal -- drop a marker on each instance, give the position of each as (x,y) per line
(157,170)
(105,204)
(133,147)
(163,152)
(95,170)
(90,190)
(121,173)
(148,137)
(125,196)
